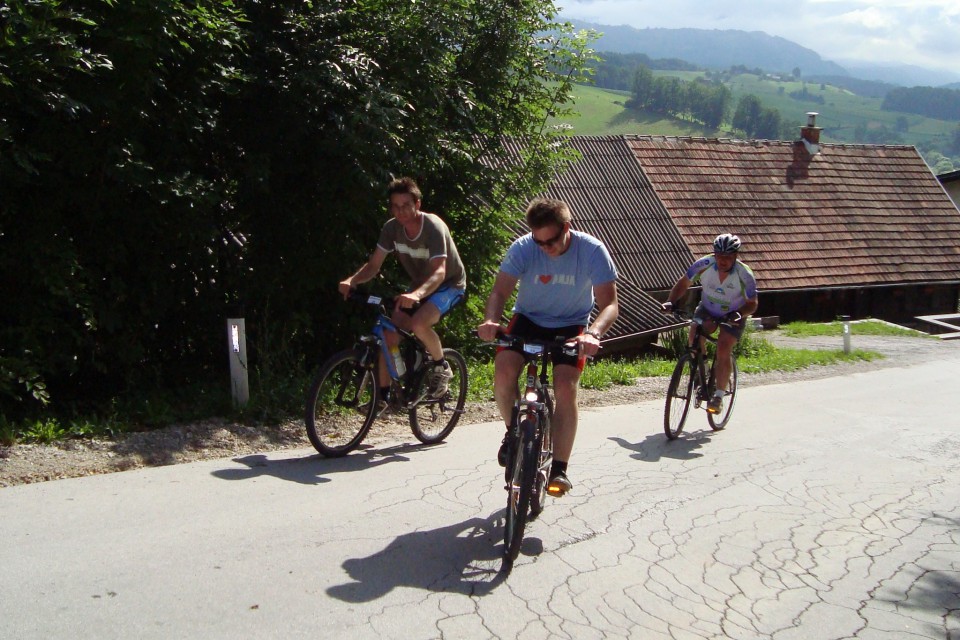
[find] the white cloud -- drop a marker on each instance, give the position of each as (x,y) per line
(920,32)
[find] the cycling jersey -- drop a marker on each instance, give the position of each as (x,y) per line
(720,298)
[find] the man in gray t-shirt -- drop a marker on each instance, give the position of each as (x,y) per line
(427,253)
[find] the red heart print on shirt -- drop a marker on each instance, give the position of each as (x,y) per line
(545,279)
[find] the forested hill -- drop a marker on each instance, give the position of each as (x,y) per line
(713,49)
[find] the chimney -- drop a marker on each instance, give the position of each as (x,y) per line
(810,134)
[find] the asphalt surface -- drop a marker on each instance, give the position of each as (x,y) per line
(827,509)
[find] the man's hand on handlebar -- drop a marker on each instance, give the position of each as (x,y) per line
(589,344)
(345,287)
(488,330)
(407,300)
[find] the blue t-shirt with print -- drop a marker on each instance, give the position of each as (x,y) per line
(558,291)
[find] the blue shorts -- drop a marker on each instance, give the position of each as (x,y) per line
(445,299)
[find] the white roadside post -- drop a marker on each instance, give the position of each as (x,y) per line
(846,333)
(237,349)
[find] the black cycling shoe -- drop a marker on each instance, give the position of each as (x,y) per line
(503,455)
(559,484)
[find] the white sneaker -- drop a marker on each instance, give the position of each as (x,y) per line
(439,381)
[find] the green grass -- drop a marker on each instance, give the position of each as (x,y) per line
(602,112)
(761,356)
(757,356)
(857,328)
(605,373)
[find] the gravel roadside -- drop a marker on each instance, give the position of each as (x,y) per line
(29,463)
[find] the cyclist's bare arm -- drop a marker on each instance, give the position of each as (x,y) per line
(679,289)
(608,307)
(749,307)
(366,273)
(503,288)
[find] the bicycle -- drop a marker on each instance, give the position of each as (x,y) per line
(691,383)
(527,474)
(344,398)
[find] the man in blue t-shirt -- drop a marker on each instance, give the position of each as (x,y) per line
(561,273)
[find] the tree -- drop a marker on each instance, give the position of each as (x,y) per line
(747,114)
(110,197)
(163,165)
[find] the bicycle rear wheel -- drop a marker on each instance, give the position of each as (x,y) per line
(432,420)
(519,489)
(341,404)
(719,420)
(679,395)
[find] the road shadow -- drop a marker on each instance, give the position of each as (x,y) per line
(461,558)
(657,446)
(316,469)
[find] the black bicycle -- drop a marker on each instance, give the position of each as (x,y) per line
(531,440)
(344,399)
(691,383)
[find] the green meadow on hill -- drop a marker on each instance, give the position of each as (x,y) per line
(604,112)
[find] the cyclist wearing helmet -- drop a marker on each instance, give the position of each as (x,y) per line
(729,295)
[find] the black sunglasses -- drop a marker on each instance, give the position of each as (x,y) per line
(550,241)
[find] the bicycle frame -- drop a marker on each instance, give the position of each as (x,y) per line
(700,384)
(403,383)
(531,457)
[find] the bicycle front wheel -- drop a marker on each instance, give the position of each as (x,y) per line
(679,395)
(719,420)
(341,404)
(544,456)
(432,419)
(519,489)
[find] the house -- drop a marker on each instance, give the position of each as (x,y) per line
(829,229)
(951,182)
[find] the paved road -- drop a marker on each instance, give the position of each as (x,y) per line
(829,509)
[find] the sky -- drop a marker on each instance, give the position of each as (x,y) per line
(925,33)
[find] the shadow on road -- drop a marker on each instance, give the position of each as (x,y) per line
(315,469)
(461,558)
(657,446)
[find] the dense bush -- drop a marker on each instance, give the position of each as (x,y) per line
(164,166)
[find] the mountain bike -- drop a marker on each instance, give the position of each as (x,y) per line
(691,382)
(531,440)
(344,398)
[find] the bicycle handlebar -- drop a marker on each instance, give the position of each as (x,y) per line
(536,347)
(366,298)
(387,302)
(685,316)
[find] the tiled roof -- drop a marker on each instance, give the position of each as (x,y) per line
(851,215)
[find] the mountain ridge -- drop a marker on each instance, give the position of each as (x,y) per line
(724,48)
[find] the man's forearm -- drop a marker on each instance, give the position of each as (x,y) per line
(493,311)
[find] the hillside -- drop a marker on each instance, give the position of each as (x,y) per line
(845,117)
(713,49)
(721,49)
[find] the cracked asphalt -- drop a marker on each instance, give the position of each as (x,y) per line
(828,509)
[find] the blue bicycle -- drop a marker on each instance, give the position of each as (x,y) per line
(344,399)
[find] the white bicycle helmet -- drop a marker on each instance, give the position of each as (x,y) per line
(726,243)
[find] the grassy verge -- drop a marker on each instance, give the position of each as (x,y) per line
(603,374)
(757,355)
(857,328)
